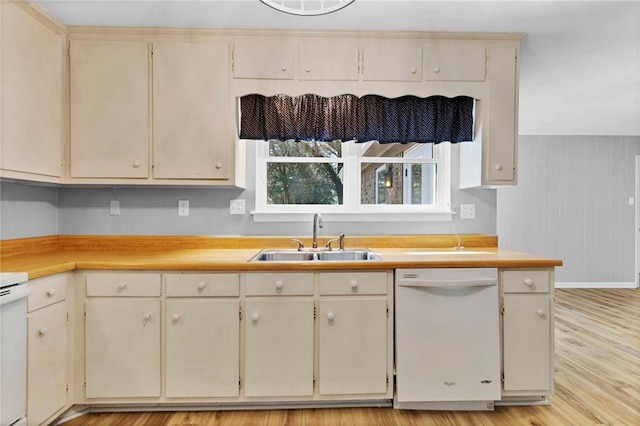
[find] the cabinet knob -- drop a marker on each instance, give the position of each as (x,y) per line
(540,312)
(413,70)
(136,164)
(308,70)
(436,70)
(122,286)
(255,316)
(279,285)
(200,286)
(283,68)
(498,167)
(43,331)
(330,316)
(51,292)
(529,282)
(176,317)
(354,285)
(147,317)
(218,165)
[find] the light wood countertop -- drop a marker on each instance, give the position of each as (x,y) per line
(107,253)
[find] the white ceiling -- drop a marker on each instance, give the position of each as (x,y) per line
(579,64)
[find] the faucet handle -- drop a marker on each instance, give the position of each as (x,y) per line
(328,246)
(341,241)
(300,243)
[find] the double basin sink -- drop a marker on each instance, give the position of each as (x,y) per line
(352,255)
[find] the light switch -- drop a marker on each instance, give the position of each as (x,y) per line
(114,207)
(236,207)
(183,207)
(467,211)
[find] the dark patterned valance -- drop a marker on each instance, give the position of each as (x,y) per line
(347,117)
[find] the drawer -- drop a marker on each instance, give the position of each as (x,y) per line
(47,291)
(526,281)
(123,285)
(279,284)
(339,283)
(455,63)
(202,285)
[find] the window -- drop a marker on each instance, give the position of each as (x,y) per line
(351,179)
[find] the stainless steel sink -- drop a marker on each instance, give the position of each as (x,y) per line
(314,255)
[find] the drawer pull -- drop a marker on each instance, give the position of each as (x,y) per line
(51,292)
(413,70)
(200,286)
(279,285)
(354,285)
(176,317)
(436,70)
(136,164)
(122,286)
(147,317)
(218,165)
(529,282)
(283,68)
(331,316)
(540,313)
(43,331)
(255,316)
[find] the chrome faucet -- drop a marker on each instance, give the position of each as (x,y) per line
(317,223)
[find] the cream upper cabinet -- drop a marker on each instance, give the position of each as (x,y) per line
(455,63)
(328,60)
(32,95)
(191,111)
(527,356)
(392,61)
(109,107)
(263,60)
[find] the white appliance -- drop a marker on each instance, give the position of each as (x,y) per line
(447,339)
(13,348)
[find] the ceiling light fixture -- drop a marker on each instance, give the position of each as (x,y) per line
(307,7)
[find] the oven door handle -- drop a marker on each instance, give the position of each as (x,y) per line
(476,282)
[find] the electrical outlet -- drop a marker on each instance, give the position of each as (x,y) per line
(236,207)
(114,207)
(183,207)
(467,211)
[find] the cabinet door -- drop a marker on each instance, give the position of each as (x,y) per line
(109,84)
(279,347)
(122,348)
(527,342)
(455,63)
(202,348)
(500,145)
(392,62)
(263,60)
(31,123)
(328,60)
(353,345)
(191,111)
(47,362)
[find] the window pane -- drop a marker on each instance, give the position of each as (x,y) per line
(304,183)
(410,183)
(292,148)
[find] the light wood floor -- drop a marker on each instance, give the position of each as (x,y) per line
(597,380)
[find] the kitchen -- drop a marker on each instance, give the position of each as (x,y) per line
(521,221)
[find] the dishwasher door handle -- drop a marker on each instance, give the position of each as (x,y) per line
(477,282)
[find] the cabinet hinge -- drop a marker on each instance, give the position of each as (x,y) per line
(314,382)
(240,313)
(387,317)
(502,310)
(239,383)
(67,316)
(314,313)
(387,381)
(502,377)
(85,386)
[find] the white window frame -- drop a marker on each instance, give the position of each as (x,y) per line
(352,209)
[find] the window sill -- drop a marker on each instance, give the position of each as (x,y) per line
(280,216)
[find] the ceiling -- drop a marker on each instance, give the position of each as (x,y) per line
(579,63)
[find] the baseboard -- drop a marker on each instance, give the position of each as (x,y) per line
(582,284)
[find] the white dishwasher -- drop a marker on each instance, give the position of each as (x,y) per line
(447,339)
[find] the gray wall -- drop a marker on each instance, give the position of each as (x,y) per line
(27,210)
(572,203)
(153,211)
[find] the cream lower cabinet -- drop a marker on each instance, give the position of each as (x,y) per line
(353,333)
(122,340)
(527,332)
(278,335)
(47,350)
(202,335)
